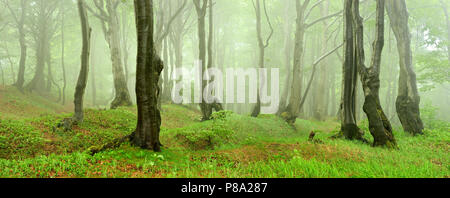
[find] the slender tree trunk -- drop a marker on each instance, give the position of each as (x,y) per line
(287,57)
(201,12)
(93,66)
(148,71)
(408,99)
(62,57)
(122,97)
(321,107)
(23,46)
(293,107)
(262,46)
(84,70)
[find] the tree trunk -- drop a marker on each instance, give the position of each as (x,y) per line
(84,70)
(62,57)
(201,12)
(122,97)
(262,46)
(321,102)
(347,110)
(23,46)
(293,108)
(408,99)
(379,125)
(148,71)
(287,57)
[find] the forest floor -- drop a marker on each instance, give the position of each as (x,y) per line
(230,145)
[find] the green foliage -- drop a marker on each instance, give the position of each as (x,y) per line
(206,135)
(18,139)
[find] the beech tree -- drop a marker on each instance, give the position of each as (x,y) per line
(148,70)
(408,99)
(84,70)
(19,19)
(106,12)
(262,46)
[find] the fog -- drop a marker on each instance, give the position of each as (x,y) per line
(51,34)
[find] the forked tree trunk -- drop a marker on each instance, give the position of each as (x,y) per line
(379,125)
(84,70)
(347,110)
(262,46)
(408,98)
(148,70)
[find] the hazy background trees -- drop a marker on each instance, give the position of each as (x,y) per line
(41,43)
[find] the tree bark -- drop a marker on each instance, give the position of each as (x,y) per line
(347,110)
(23,46)
(107,14)
(408,99)
(287,57)
(379,125)
(201,12)
(148,70)
(84,70)
(62,56)
(293,108)
(262,46)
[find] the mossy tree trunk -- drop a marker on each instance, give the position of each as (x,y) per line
(379,125)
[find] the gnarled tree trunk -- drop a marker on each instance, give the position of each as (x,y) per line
(379,125)
(408,98)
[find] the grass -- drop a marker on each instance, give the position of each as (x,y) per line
(230,145)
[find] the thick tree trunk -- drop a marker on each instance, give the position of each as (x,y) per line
(38,81)
(148,71)
(408,99)
(84,70)
(379,125)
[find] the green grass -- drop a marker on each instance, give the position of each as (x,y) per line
(230,145)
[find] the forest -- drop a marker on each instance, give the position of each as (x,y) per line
(224,89)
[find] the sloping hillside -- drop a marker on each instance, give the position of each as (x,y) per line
(15,104)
